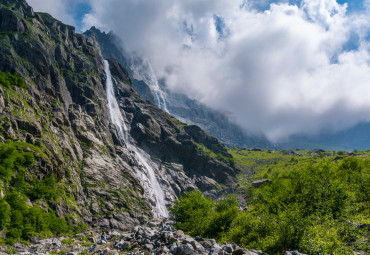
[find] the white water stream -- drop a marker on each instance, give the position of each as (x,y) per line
(143,70)
(145,172)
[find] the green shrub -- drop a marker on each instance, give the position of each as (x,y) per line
(8,80)
(253,230)
(44,189)
(4,214)
(198,215)
(323,239)
(14,156)
(309,208)
(224,212)
(18,219)
(57,225)
(16,200)
(192,212)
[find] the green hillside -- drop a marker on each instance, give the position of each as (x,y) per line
(314,201)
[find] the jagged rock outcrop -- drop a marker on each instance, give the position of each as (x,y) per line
(64,112)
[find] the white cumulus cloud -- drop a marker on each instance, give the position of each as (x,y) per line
(289,69)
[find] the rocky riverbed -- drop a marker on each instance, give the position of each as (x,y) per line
(155,237)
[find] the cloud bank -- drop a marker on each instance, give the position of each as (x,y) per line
(279,68)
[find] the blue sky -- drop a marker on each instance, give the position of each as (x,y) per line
(354,5)
(283,69)
(79,8)
(79,12)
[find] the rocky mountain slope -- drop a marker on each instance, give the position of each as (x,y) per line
(187,110)
(61,117)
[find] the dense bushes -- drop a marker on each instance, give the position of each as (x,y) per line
(8,80)
(18,218)
(21,221)
(198,215)
(314,209)
(14,156)
(193,213)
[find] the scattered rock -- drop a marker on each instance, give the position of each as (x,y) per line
(179,233)
(258,252)
(239,251)
(228,248)
(293,253)
(153,237)
(260,182)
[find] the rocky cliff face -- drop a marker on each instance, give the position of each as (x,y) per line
(63,111)
(187,110)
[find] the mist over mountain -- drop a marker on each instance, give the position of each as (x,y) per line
(354,138)
(217,123)
(280,68)
(179,105)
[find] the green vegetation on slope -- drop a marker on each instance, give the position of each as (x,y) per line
(313,204)
(8,80)
(219,156)
(22,212)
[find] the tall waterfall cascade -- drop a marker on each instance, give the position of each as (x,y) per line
(143,71)
(144,172)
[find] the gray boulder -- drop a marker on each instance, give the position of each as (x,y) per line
(294,253)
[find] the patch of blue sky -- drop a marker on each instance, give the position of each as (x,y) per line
(189,29)
(367,37)
(353,5)
(263,5)
(353,42)
(221,27)
(78,13)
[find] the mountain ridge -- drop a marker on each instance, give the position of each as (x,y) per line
(63,113)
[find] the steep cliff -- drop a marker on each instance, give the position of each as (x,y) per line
(60,115)
(112,47)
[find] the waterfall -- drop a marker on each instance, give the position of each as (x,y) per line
(145,172)
(143,70)
(152,81)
